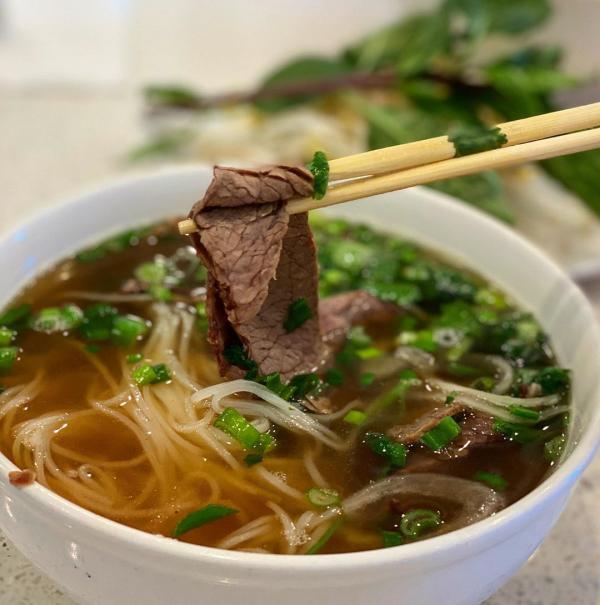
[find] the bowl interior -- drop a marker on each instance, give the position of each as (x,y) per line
(434,220)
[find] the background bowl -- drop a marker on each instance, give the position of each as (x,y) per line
(99,561)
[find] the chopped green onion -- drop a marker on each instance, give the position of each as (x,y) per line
(421,339)
(553,449)
(8,356)
(134,357)
(230,421)
(320,171)
(366,379)
(160,293)
(394,452)
(391,538)
(334,377)
(369,353)
(441,434)
(518,432)
(252,459)
(15,315)
(6,336)
(298,313)
(494,480)
(98,321)
(522,412)
(146,374)
(485,383)
(92,348)
(323,497)
(451,397)
(127,329)
(151,272)
(208,514)
(473,138)
(355,417)
(54,319)
(322,541)
(553,380)
(416,522)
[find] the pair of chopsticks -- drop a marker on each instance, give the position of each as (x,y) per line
(401,166)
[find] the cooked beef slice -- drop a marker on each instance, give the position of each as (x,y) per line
(340,312)
(477,430)
(260,260)
(412,433)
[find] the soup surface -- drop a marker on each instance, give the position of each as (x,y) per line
(422,424)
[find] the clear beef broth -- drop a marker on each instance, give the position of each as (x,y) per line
(99,461)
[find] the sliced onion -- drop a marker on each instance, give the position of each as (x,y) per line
(477,501)
(416,358)
(503,371)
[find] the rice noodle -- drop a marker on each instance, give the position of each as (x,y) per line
(417,358)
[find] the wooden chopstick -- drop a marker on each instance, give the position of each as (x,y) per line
(446,169)
(409,155)
(401,166)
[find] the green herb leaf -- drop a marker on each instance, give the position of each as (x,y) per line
(299,312)
(237,356)
(208,514)
(470,139)
(320,171)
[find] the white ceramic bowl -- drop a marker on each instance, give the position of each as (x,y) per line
(101,562)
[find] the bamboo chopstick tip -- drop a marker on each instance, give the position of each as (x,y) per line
(187,227)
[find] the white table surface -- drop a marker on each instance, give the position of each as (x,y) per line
(53,144)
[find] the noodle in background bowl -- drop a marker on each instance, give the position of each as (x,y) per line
(99,561)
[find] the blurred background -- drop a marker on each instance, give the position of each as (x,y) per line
(98,89)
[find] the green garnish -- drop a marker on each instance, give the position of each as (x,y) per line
(93,348)
(323,497)
(334,377)
(322,541)
(208,514)
(441,434)
(153,272)
(320,171)
(518,432)
(298,313)
(8,356)
(553,380)
(6,336)
(355,417)
(382,445)
(475,138)
(230,421)
(237,356)
(201,317)
(160,293)
(128,329)
(391,538)
(451,397)
(416,522)
(134,357)
(554,448)
(526,413)
(57,319)
(151,374)
(15,315)
(494,480)
(252,459)
(366,379)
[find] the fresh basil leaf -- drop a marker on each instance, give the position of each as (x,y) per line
(303,69)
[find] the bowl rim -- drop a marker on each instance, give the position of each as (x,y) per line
(434,549)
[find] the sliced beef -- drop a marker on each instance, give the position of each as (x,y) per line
(340,312)
(409,434)
(477,431)
(260,260)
